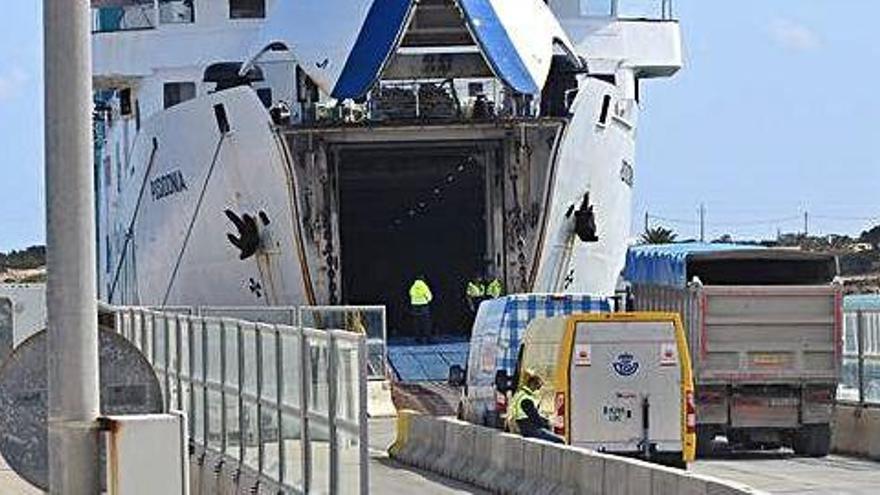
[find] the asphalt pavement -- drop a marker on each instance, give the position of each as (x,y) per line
(784,473)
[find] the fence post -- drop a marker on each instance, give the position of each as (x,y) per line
(206,415)
(166,351)
(223,413)
(279,401)
(333,363)
(305,368)
(860,339)
(362,416)
(178,365)
(242,440)
(191,389)
(261,453)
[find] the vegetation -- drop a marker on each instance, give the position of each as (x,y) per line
(658,235)
(871,236)
(30,258)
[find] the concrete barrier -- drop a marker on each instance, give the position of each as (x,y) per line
(856,431)
(379,403)
(584,473)
(509,464)
(482,467)
(495,475)
(512,464)
(458,448)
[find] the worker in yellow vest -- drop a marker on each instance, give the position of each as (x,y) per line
(524,413)
(420,298)
(495,288)
(476,293)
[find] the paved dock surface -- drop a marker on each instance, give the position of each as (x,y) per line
(387,476)
(783,473)
(777,473)
(11,483)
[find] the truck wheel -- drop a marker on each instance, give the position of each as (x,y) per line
(705,438)
(813,441)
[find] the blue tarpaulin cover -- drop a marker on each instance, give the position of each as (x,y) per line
(666,264)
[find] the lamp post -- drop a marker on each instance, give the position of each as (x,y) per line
(72,358)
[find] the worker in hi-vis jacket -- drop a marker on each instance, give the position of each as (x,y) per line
(420,298)
(524,410)
(476,293)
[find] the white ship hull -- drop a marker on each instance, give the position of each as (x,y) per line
(215,201)
(179,253)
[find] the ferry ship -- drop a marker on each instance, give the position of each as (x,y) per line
(265,153)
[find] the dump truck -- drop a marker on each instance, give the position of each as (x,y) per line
(765,330)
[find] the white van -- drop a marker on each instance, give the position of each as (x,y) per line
(495,343)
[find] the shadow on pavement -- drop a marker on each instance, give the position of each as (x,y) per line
(407,478)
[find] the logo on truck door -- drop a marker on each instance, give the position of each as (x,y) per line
(625,365)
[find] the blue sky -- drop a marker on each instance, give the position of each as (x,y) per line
(21,126)
(775,114)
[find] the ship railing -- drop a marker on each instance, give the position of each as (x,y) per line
(860,366)
(280,403)
(137,15)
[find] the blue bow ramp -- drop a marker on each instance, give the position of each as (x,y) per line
(517,39)
(345,45)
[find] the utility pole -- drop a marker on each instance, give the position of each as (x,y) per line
(647,221)
(806,224)
(72,358)
(702,222)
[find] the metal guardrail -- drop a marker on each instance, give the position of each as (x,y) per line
(368,320)
(284,402)
(860,370)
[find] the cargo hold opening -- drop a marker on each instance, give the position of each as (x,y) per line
(411,210)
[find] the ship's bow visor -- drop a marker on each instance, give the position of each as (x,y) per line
(344,45)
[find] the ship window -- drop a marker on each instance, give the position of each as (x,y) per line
(265,96)
(598,8)
(176,12)
(606,105)
(125,102)
(247,9)
(179,92)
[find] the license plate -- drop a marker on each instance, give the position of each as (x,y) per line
(768,359)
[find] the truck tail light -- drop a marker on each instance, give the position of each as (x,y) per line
(690,413)
(559,422)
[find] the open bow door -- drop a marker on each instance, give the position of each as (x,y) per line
(344,45)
